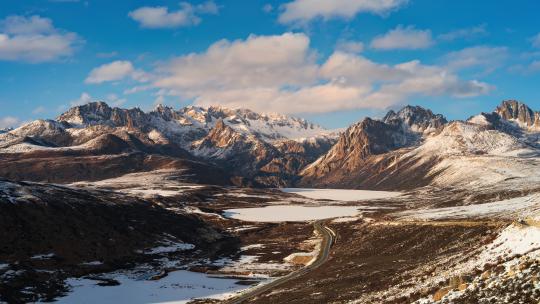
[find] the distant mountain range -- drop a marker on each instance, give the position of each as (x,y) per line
(406,149)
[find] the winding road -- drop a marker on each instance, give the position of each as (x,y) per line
(329,237)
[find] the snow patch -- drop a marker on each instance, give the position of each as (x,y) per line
(341,194)
(43,256)
(177,287)
(514,207)
(290,213)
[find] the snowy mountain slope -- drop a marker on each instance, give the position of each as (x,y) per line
(485,150)
(407,148)
(195,120)
(366,146)
(240,141)
(184,126)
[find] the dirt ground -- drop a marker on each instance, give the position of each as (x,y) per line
(380,263)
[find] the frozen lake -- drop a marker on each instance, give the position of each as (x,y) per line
(177,287)
(341,194)
(290,213)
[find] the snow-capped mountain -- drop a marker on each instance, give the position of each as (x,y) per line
(240,141)
(415,119)
(520,114)
(485,149)
(359,144)
(407,148)
(194,120)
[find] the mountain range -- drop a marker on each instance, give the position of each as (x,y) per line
(405,149)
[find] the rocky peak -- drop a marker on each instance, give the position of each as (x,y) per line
(365,138)
(222,136)
(164,112)
(514,110)
(415,119)
(99,113)
(5,130)
(87,113)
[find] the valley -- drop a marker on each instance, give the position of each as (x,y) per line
(207,205)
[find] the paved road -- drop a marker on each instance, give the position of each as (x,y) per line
(329,237)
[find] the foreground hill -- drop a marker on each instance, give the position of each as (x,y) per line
(51,232)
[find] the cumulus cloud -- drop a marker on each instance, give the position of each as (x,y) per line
(111,99)
(302,11)
(9,122)
(83,99)
(115,101)
(280,73)
(464,33)
(106,54)
(114,71)
(405,38)
(350,46)
(267,8)
(39,110)
(484,57)
(34,39)
(535,40)
(258,61)
(161,17)
(530,68)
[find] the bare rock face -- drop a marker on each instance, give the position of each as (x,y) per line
(241,154)
(5,130)
(513,110)
(365,146)
(239,141)
(416,119)
(99,113)
(293,156)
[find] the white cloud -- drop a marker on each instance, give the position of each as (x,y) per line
(116,70)
(485,57)
(258,61)
(535,40)
(405,38)
(350,46)
(280,74)
(83,99)
(302,11)
(111,99)
(115,101)
(34,39)
(465,33)
(107,54)
(531,68)
(268,8)
(137,89)
(39,110)
(9,122)
(160,99)
(161,17)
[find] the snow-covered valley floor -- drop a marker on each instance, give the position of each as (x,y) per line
(177,287)
(341,194)
(290,213)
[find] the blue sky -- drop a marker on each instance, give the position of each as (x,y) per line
(329,61)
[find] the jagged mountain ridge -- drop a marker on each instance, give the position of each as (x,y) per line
(449,153)
(521,114)
(407,148)
(194,120)
(241,142)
